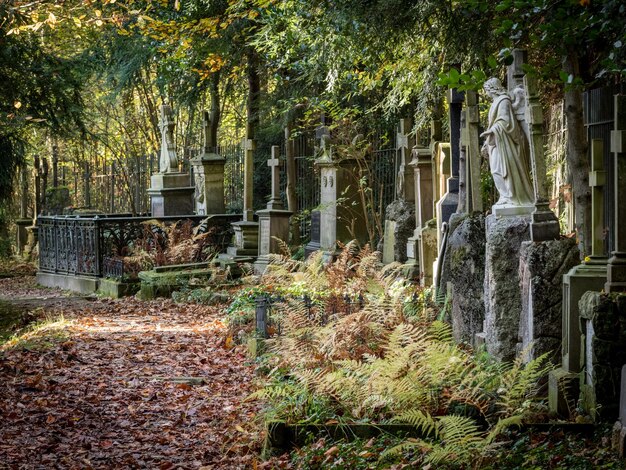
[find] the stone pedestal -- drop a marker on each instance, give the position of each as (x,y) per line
(341,215)
(503,301)
(208,171)
(466,259)
(246,241)
(22,234)
(504,210)
(273,225)
(542,266)
(170,194)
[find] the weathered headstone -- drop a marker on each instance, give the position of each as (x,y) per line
(208,172)
(246,241)
(591,275)
(463,266)
(314,243)
(604,339)
(274,220)
(546,258)
(170,191)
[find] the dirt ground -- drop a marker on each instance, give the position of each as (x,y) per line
(122,384)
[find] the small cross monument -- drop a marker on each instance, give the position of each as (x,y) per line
(274,163)
(274,220)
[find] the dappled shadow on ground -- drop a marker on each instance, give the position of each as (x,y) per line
(130,384)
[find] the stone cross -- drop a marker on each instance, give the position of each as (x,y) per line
(597,179)
(248,179)
(616,268)
(168,162)
(544,225)
(405,179)
(274,163)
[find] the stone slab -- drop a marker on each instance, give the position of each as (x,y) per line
(80,284)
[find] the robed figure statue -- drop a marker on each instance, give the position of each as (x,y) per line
(507,146)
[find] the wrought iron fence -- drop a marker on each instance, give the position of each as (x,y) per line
(319,312)
(76,245)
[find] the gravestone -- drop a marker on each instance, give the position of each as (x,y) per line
(546,258)
(274,220)
(422,246)
(564,383)
(339,220)
(208,172)
(314,243)
(464,262)
(604,339)
(400,214)
(246,239)
(170,191)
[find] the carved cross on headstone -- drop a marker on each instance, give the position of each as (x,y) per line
(168,161)
(274,164)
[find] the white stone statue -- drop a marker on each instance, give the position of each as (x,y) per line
(507,147)
(168,161)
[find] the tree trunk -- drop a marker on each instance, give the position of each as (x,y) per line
(215,111)
(576,156)
(254,92)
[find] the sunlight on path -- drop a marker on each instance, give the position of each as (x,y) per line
(134,384)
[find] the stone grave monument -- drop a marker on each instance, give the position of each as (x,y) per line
(24,221)
(208,173)
(590,275)
(274,220)
(340,216)
(465,253)
(509,224)
(170,192)
(400,214)
(421,248)
(546,258)
(602,314)
(246,240)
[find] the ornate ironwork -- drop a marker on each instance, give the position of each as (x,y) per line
(78,245)
(113,268)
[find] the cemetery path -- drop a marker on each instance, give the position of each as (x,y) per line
(123,384)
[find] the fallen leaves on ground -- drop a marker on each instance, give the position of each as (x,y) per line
(134,384)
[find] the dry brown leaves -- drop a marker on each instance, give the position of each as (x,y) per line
(136,385)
